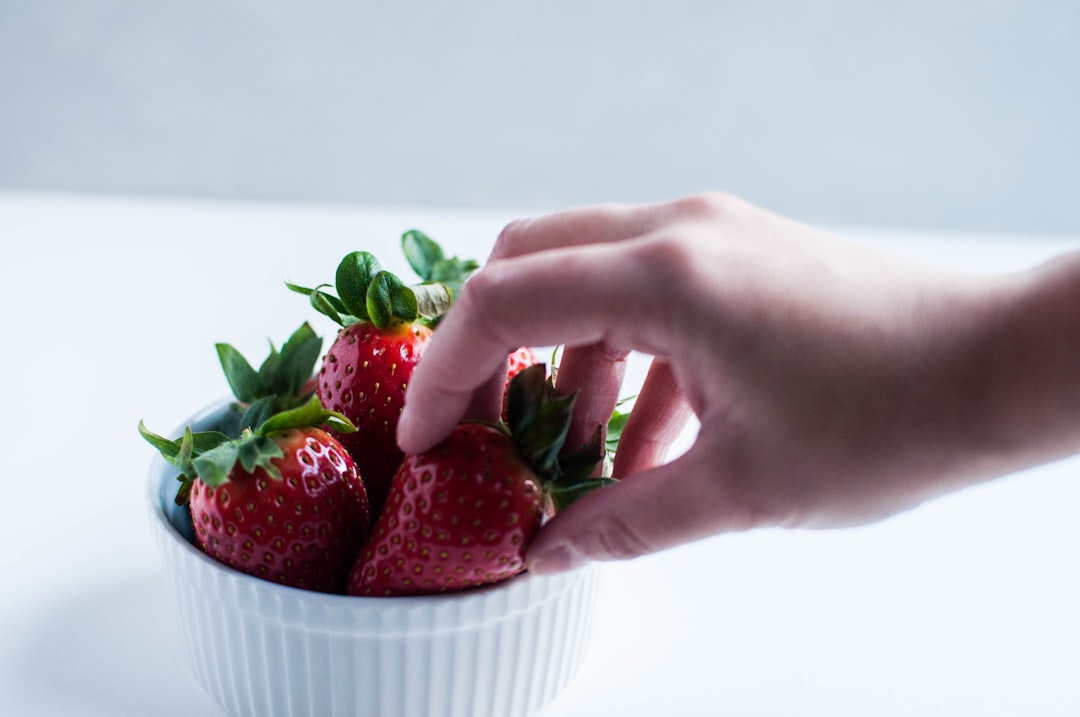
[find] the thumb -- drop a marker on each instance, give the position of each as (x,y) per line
(676,503)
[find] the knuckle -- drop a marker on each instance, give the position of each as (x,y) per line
(708,205)
(602,354)
(480,285)
(615,537)
(666,257)
(510,239)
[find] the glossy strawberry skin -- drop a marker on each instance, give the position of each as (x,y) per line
(460,515)
(364,376)
(301,529)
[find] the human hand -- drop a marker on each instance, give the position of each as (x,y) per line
(834,385)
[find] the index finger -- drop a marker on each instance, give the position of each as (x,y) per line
(599,224)
(573,297)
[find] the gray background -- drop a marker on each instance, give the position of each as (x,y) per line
(960,115)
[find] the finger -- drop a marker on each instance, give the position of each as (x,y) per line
(596,373)
(658,418)
(486,401)
(570,297)
(676,503)
(589,225)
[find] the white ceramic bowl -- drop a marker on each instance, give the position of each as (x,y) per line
(267,650)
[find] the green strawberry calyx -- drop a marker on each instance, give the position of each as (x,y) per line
(538,419)
(212,456)
(367,292)
(615,426)
(279,384)
(619,416)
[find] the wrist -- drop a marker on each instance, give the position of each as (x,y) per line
(1029,361)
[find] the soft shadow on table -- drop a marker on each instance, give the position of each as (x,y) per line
(111,651)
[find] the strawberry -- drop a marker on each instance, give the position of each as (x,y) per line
(281,502)
(385,327)
(463,513)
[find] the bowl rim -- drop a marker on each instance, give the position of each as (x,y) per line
(161,476)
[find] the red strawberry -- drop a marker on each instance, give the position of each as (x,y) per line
(282,502)
(463,513)
(385,327)
(363,376)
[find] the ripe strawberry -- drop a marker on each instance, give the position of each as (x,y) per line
(463,513)
(385,328)
(281,502)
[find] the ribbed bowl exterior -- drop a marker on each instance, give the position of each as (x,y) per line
(267,650)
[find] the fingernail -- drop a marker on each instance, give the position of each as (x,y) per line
(557,559)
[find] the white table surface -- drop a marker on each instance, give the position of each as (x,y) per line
(110,309)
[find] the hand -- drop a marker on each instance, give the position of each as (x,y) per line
(834,385)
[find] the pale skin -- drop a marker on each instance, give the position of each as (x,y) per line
(834,385)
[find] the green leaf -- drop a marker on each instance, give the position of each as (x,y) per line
(562,496)
(179,452)
(389,299)
(432,300)
(615,427)
(523,397)
(168,449)
(539,419)
(269,370)
(282,375)
(299,289)
(207,440)
(230,421)
(297,363)
(214,466)
(183,493)
(256,414)
(310,414)
(354,274)
(453,273)
(339,422)
(245,382)
(326,304)
(259,452)
(421,252)
(580,464)
(543,440)
(183,459)
(331,306)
